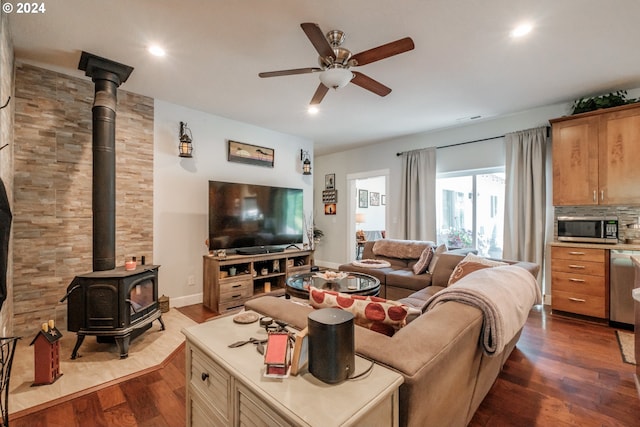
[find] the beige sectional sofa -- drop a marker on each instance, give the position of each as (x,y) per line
(398,280)
(446,372)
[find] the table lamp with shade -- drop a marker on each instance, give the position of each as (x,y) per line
(360,219)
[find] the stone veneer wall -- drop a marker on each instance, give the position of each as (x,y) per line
(53,174)
(626,215)
(6,154)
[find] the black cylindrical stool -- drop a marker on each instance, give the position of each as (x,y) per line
(331,344)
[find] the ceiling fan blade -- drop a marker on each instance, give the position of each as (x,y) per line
(381,52)
(369,84)
(317,39)
(319,95)
(290,72)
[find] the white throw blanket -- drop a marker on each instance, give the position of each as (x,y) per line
(503,294)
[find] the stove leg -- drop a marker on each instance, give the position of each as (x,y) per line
(79,341)
(161,323)
(123,345)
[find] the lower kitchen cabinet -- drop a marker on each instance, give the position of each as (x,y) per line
(580,281)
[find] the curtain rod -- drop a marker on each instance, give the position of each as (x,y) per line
(469,142)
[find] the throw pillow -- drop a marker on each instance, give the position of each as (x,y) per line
(469,264)
(401,249)
(377,314)
(422,265)
(434,259)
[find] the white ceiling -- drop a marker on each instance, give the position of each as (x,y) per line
(464,64)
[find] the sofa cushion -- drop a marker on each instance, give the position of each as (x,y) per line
(370,312)
(419,299)
(447,262)
(469,264)
(436,256)
(404,278)
(402,249)
(422,265)
(395,262)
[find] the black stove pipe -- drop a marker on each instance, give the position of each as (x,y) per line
(107,76)
(104,172)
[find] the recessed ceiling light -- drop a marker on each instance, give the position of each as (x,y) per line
(521,30)
(156,50)
(312,109)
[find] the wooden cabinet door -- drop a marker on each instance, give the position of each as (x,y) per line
(619,164)
(575,162)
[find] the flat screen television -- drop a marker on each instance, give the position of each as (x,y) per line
(250,218)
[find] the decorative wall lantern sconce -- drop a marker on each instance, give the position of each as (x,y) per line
(306,163)
(186,138)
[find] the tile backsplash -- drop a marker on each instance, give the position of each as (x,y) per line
(626,215)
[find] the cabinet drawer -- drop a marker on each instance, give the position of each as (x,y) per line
(252,411)
(233,304)
(578,267)
(228,285)
(201,414)
(212,382)
(233,291)
(242,286)
(587,305)
(578,254)
(578,283)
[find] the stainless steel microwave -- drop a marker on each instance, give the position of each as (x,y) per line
(603,229)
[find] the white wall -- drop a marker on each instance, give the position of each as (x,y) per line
(333,250)
(181,188)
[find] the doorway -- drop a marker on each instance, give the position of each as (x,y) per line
(367,207)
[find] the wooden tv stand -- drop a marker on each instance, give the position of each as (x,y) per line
(223,291)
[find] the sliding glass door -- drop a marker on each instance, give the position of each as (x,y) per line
(470,208)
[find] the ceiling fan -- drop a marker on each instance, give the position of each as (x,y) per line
(336,62)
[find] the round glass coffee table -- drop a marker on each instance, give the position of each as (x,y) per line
(345,282)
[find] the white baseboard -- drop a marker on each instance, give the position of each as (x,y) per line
(327,264)
(186,300)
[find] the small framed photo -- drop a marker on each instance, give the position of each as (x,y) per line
(329,196)
(363,199)
(330,209)
(375,199)
(330,181)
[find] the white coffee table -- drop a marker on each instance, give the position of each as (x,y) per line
(226,386)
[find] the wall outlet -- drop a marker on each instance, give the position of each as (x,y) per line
(191,280)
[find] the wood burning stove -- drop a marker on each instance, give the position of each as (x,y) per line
(113,305)
(110,303)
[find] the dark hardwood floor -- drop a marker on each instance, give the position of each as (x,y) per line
(563,373)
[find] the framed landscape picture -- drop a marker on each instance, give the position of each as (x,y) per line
(363,199)
(239,152)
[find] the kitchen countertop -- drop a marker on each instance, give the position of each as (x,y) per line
(620,246)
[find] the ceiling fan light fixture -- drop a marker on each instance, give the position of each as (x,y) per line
(336,78)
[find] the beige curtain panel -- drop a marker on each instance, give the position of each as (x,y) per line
(418,195)
(525,195)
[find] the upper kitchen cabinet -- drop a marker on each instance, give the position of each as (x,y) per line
(596,157)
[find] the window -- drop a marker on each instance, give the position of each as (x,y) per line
(470,209)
